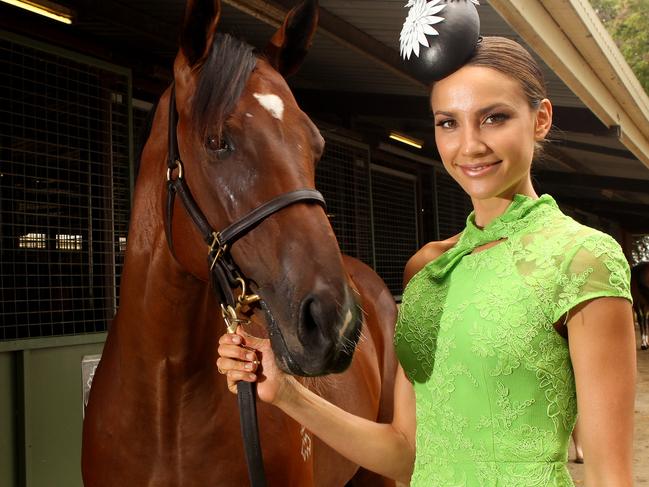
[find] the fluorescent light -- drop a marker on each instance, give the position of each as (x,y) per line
(405,139)
(44,8)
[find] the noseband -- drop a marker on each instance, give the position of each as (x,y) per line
(225,275)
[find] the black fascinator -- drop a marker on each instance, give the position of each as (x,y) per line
(438,36)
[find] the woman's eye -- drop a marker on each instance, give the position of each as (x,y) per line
(446,124)
(496,118)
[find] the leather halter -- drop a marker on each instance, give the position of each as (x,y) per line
(225,274)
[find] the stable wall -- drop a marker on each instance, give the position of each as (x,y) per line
(41,404)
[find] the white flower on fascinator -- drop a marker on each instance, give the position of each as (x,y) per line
(421,17)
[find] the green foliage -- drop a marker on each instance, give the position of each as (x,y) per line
(628,23)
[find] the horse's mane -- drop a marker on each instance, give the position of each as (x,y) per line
(221,80)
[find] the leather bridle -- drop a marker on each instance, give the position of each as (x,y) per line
(225,275)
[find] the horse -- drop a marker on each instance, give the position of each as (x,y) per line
(158,413)
(640,293)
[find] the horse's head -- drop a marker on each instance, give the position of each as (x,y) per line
(243,141)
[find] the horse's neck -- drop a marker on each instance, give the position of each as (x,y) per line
(162,306)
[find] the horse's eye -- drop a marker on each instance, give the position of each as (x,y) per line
(221,146)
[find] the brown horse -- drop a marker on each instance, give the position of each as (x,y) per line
(640,292)
(158,413)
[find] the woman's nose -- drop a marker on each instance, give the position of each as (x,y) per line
(472,143)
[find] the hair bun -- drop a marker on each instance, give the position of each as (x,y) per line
(438,36)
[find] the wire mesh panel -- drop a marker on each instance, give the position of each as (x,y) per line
(342,177)
(64,191)
(640,249)
(453,205)
(394,203)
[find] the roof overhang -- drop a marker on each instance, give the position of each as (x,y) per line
(571,40)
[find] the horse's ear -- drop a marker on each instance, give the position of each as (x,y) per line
(201,20)
(288,47)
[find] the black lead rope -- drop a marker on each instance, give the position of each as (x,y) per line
(225,275)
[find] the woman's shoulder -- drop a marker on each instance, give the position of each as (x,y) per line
(570,235)
(426,254)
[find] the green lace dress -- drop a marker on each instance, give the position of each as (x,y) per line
(494,383)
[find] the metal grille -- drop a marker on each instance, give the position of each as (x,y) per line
(640,249)
(453,206)
(65,191)
(342,177)
(394,204)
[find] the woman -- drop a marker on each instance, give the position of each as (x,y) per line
(494,321)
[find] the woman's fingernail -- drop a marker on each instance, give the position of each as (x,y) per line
(250,356)
(236,339)
(252,376)
(248,366)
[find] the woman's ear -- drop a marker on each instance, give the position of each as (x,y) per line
(543,121)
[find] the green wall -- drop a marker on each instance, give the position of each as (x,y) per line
(8,460)
(41,410)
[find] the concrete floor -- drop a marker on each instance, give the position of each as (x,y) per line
(641,439)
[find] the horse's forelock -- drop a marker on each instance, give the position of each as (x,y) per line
(221,80)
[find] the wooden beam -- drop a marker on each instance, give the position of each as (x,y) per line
(574,180)
(129,19)
(632,217)
(364,104)
(609,207)
(566,119)
(609,151)
(560,155)
(337,29)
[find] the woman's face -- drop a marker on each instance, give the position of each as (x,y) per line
(486,131)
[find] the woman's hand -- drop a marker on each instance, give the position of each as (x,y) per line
(391,452)
(243,357)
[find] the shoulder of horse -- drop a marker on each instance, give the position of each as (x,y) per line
(426,254)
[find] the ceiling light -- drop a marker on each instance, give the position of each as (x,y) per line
(45,8)
(405,139)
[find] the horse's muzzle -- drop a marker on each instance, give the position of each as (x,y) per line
(327,334)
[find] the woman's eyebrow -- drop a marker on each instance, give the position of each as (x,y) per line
(481,111)
(441,112)
(492,107)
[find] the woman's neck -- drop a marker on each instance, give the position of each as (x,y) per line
(488,209)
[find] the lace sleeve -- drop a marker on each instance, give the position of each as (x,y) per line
(594,268)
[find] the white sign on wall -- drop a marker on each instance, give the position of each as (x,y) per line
(88,366)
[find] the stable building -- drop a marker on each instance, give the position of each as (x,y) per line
(75,98)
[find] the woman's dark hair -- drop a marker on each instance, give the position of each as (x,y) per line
(513,60)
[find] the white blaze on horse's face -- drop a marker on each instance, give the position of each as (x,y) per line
(272,103)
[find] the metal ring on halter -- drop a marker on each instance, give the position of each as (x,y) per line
(177,164)
(245,299)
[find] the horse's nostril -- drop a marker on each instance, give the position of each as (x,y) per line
(310,320)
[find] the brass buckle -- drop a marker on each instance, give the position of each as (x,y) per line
(216,242)
(170,170)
